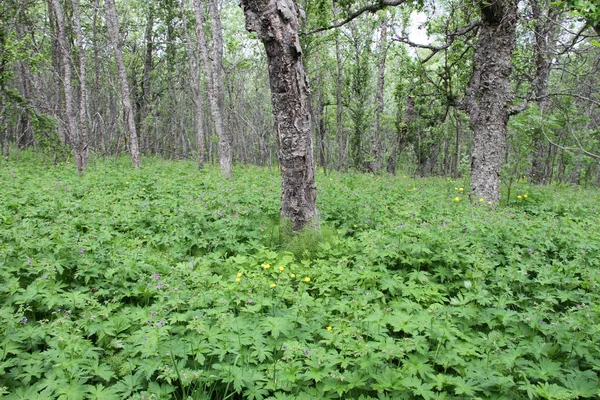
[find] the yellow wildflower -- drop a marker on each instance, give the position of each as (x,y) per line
(281,268)
(238,280)
(460,189)
(292,275)
(457,199)
(525,196)
(329,328)
(265,266)
(307,279)
(273,286)
(481,200)
(239,275)
(519,197)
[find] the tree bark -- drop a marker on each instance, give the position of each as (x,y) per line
(339,105)
(546,31)
(377,141)
(276,24)
(67,75)
(195,86)
(82,146)
(214,78)
(489,96)
(112,23)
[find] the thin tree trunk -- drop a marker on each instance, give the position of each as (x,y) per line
(195,86)
(112,23)
(339,105)
(143,98)
(546,31)
(489,96)
(67,75)
(377,141)
(81,149)
(225,138)
(276,24)
(214,78)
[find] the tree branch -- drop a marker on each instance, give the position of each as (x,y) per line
(371,8)
(436,49)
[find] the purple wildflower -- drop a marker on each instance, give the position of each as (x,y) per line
(284,347)
(159,323)
(250,301)
(529,250)
(24,320)
(306,352)
(159,285)
(80,251)
(156,276)
(29,261)
(67,314)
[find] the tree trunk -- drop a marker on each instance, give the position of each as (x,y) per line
(339,105)
(82,146)
(276,24)
(195,86)
(67,75)
(489,96)
(546,30)
(377,141)
(214,78)
(112,23)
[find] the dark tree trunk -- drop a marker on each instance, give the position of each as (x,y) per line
(276,24)
(489,96)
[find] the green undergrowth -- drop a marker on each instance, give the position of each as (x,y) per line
(170,282)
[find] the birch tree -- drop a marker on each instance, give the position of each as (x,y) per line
(112,23)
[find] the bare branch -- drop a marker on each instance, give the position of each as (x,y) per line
(371,8)
(436,49)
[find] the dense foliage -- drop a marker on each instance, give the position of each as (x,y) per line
(169,282)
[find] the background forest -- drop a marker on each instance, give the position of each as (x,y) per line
(388,87)
(456,148)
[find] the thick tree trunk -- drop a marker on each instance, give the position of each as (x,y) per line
(489,96)
(82,146)
(276,24)
(112,23)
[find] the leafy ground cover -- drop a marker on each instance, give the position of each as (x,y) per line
(172,283)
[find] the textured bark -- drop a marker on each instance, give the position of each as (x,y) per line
(489,96)
(212,61)
(276,24)
(377,140)
(81,149)
(112,23)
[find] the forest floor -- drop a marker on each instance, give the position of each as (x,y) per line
(171,282)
